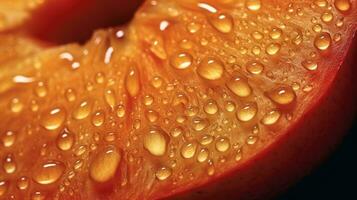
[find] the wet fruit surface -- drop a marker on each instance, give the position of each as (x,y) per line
(183,94)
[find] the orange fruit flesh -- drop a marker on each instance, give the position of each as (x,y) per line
(185,93)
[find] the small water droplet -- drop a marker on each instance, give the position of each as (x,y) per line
(199,124)
(98,118)
(132,82)
(253,5)
(282,95)
(202,155)
(272,48)
(163,173)
(23,183)
(181,60)
(255,67)
(65,140)
(188,150)
(9,164)
(109,96)
(16,105)
(8,138)
(211,107)
(41,90)
(222,144)
(309,65)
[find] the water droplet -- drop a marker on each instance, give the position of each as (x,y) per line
(148,100)
(252,139)
(271,117)
(120,111)
(210,69)
(272,48)
(177,131)
(23,183)
(239,86)
(104,165)
(132,82)
(206,139)
(199,124)
(48,172)
(109,96)
(247,112)
(321,3)
(9,164)
(211,107)
(181,60)
(322,41)
(53,119)
(163,173)
(222,22)
(257,35)
(188,150)
(98,118)
(156,142)
(38,196)
(152,116)
(230,106)
(282,95)
(193,27)
(157,48)
(222,144)
(41,90)
(16,105)
(255,67)
(65,140)
(275,33)
(8,138)
(82,111)
(343,5)
(253,5)
(327,17)
(70,95)
(317,28)
(309,65)
(202,155)
(3,187)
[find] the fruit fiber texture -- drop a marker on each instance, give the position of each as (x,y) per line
(191,100)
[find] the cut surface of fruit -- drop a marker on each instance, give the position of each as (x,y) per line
(188,92)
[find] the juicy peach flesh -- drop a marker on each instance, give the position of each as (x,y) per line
(185,93)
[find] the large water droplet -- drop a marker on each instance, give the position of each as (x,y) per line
(210,69)
(104,165)
(322,41)
(222,22)
(239,86)
(181,60)
(53,119)
(155,142)
(48,172)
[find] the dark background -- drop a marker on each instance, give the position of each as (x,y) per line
(335,179)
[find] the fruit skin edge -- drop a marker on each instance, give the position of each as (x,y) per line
(297,151)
